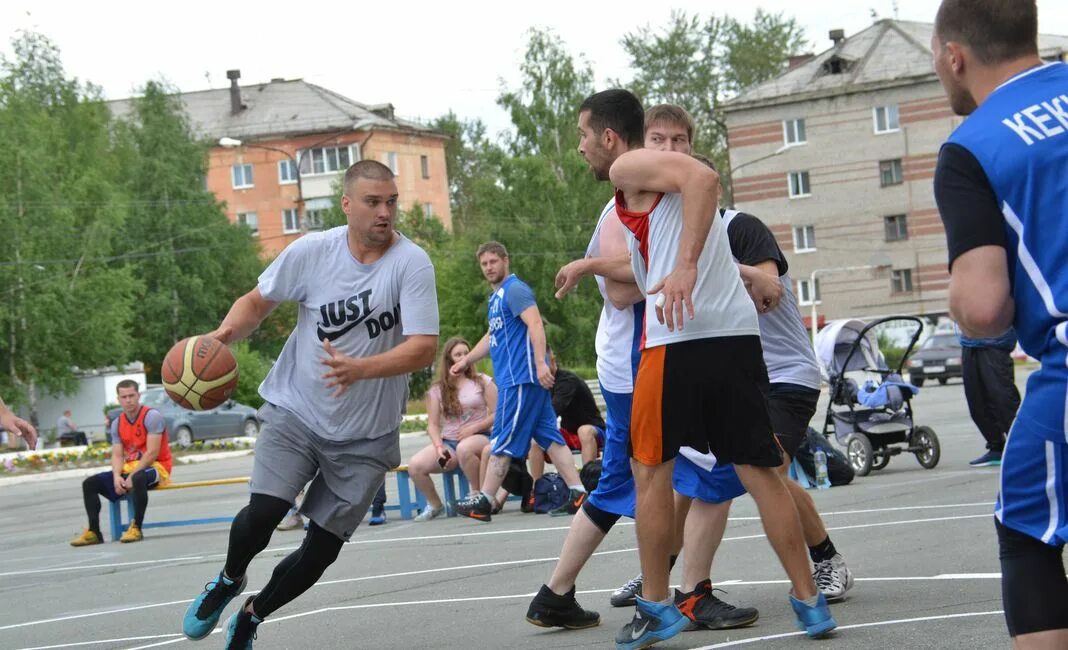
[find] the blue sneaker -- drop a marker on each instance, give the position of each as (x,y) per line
(204,612)
(815,621)
(377,520)
(651,624)
(989,459)
(241,629)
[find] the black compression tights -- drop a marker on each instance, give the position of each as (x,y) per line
(251,531)
(93,488)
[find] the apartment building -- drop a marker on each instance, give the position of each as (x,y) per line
(837,156)
(278,148)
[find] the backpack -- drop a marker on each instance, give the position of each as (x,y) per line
(590,475)
(550,492)
(518,480)
(839,471)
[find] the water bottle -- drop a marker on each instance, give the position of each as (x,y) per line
(822,480)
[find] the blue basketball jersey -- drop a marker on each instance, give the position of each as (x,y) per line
(510,347)
(1019,136)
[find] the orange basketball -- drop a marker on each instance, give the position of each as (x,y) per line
(199,373)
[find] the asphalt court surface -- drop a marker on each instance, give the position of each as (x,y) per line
(921,543)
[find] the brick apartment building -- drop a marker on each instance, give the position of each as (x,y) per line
(837,156)
(272,128)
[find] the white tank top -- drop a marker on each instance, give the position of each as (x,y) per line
(619,330)
(722,306)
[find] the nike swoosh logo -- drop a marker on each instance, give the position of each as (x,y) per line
(635,635)
(333,336)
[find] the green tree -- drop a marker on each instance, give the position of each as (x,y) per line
(701,63)
(253,368)
(60,208)
(191,261)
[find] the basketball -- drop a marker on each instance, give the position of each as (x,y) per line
(199,373)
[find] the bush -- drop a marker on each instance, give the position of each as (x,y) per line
(891,352)
(419,383)
(253,367)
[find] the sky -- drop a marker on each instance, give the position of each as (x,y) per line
(426,58)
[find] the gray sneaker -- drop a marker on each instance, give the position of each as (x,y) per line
(833,578)
(291,522)
(625,595)
(430,512)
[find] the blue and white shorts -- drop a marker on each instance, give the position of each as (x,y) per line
(1033,498)
(523,412)
(615,488)
(717,485)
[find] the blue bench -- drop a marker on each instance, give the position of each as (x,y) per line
(455,487)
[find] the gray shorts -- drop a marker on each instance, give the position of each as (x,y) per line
(344,475)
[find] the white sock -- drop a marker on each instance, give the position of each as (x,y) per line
(667,602)
(578,488)
(489,497)
(811,602)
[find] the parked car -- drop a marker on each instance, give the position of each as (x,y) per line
(228,420)
(938,358)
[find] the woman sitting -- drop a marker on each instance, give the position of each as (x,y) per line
(459,417)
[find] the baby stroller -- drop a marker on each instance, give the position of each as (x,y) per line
(873,420)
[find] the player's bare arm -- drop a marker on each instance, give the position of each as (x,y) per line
(413,354)
(532,318)
(620,286)
(641,174)
(244,317)
(16,425)
(762,282)
(979,292)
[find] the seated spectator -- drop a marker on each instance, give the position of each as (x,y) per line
(460,413)
(581,422)
(68,431)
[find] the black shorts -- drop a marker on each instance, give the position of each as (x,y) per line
(710,394)
(1033,586)
(791,408)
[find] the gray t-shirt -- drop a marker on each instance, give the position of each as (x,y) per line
(65,425)
(154,423)
(363,310)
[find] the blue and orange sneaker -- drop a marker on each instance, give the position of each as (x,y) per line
(204,612)
(652,623)
(816,621)
(241,629)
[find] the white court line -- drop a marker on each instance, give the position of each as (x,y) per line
(84,643)
(510,531)
(922,619)
(460,568)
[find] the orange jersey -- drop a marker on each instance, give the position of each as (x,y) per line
(134,437)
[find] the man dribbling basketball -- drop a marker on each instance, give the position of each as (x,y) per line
(368,315)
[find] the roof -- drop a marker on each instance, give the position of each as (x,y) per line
(887,54)
(281,108)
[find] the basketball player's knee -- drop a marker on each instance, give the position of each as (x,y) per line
(140,479)
(600,518)
(265,511)
(587,434)
(323,545)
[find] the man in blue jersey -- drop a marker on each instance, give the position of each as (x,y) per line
(516,343)
(1002,189)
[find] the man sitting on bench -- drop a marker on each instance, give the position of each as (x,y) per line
(581,422)
(140,461)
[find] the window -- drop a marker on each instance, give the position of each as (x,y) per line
(890,172)
(897,228)
(886,118)
(901,281)
(428,210)
(241,175)
(799,185)
(249,220)
(391,161)
(424,164)
(804,239)
(287,172)
(327,160)
(805,295)
(290,221)
(793,132)
(315,211)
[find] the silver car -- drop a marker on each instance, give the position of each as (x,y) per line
(228,420)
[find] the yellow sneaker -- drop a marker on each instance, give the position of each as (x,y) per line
(87,538)
(132,534)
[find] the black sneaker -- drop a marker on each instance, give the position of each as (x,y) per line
(550,610)
(575,499)
(241,629)
(476,506)
(625,595)
(705,610)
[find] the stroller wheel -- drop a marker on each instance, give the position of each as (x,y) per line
(860,454)
(928,450)
(881,458)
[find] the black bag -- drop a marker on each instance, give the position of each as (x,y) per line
(518,480)
(550,493)
(590,475)
(839,471)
